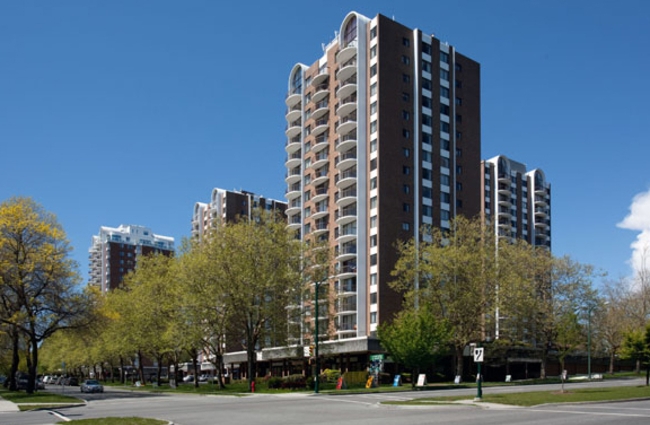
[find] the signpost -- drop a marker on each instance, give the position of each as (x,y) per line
(478,359)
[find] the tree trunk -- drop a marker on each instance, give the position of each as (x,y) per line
(122,371)
(15,359)
(647,375)
(196,371)
(141,368)
(459,362)
(612,359)
(219,366)
(32,361)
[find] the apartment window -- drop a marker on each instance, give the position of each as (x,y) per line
(406,78)
(373,260)
(427,120)
(459,170)
(373,32)
(426,156)
(373,183)
(373,317)
(406,226)
(445,198)
(373,51)
(444,126)
(459,186)
(459,203)
(444,74)
(306,229)
(458,67)
(444,92)
(373,127)
(459,118)
(444,180)
(444,214)
(406,188)
(459,135)
(406,97)
(427,174)
(427,211)
(373,107)
(373,298)
(444,162)
(406,42)
(444,57)
(426,66)
(426,102)
(373,221)
(426,138)
(406,207)
(426,48)
(373,202)
(427,192)
(373,164)
(373,279)
(444,109)
(459,84)
(459,101)
(373,89)
(406,170)
(407,152)
(406,115)
(307,211)
(459,152)
(307,195)
(373,145)
(406,60)
(373,70)
(406,133)
(426,84)
(373,240)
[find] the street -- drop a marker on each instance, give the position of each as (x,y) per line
(302,408)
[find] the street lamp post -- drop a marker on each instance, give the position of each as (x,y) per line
(589,341)
(317,284)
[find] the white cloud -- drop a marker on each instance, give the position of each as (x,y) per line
(639,220)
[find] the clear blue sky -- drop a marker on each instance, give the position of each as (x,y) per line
(129,112)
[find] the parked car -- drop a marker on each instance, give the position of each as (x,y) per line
(188,378)
(73,381)
(91,386)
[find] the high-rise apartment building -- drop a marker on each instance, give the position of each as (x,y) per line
(383,136)
(226,205)
(114,252)
(515,201)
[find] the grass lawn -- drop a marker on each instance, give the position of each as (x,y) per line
(116,421)
(542,397)
(38,397)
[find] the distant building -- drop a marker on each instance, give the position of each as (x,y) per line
(515,201)
(227,206)
(114,252)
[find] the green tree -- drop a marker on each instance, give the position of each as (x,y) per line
(636,346)
(415,339)
(39,292)
(454,273)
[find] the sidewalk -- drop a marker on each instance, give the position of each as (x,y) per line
(8,406)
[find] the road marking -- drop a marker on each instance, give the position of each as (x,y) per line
(58,415)
(578,412)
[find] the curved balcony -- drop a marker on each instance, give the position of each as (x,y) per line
(346,197)
(542,224)
(346,178)
(292,176)
(320,193)
(347,70)
(503,178)
(347,253)
(346,215)
(347,88)
(320,212)
(346,305)
(347,106)
(294,222)
(348,236)
(347,160)
(322,91)
(320,126)
(541,212)
(321,77)
(319,229)
(293,113)
(346,288)
(293,98)
(347,271)
(504,212)
(540,191)
(293,128)
(504,200)
(293,191)
(320,143)
(347,124)
(294,207)
(347,53)
(346,142)
(320,176)
(321,109)
(503,189)
(293,160)
(293,145)
(540,201)
(320,159)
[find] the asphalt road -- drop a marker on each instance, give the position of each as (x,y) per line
(351,409)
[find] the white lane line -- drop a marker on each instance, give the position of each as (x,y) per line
(578,412)
(58,415)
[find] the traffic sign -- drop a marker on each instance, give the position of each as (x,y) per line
(478,355)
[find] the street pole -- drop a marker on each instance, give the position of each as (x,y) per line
(479,390)
(589,342)
(316,340)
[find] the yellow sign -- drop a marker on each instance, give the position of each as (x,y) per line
(369,382)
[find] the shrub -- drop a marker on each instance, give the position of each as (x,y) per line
(294,382)
(274,382)
(330,375)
